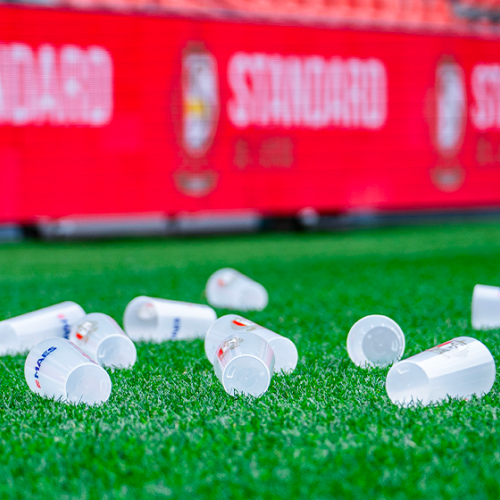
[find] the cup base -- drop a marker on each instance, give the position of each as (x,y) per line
(375,340)
(246,375)
(381,346)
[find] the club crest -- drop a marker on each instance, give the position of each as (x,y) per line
(200,101)
(451,111)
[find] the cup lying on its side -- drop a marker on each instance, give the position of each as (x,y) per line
(100,336)
(485,310)
(460,368)
(21,333)
(244,364)
(375,340)
(56,368)
(285,352)
(229,289)
(158,320)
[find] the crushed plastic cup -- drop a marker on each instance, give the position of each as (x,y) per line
(244,364)
(285,352)
(56,368)
(100,336)
(158,320)
(460,368)
(22,333)
(485,311)
(229,289)
(375,340)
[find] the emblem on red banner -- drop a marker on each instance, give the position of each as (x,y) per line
(196,115)
(449,119)
(200,101)
(451,107)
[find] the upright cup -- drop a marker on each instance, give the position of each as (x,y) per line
(56,368)
(485,307)
(244,363)
(375,340)
(157,320)
(460,368)
(100,336)
(284,349)
(229,289)
(22,333)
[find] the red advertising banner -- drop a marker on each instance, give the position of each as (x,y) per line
(108,113)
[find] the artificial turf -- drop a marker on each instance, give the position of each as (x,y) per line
(328,430)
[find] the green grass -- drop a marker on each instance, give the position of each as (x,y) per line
(326,431)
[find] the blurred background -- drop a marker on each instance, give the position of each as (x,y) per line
(157,117)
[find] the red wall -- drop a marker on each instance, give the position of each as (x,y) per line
(106,113)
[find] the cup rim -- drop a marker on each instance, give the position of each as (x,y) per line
(123,338)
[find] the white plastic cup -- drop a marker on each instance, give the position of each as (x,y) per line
(285,352)
(244,363)
(229,289)
(158,320)
(22,333)
(100,336)
(485,307)
(56,368)
(375,340)
(460,368)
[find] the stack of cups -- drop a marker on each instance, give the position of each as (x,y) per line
(229,289)
(245,355)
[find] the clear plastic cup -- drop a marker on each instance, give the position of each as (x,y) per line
(375,340)
(22,333)
(229,289)
(244,363)
(485,307)
(100,336)
(460,368)
(285,352)
(56,368)
(157,320)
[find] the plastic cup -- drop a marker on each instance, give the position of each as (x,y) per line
(158,320)
(100,336)
(285,352)
(229,289)
(460,368)
(22,333)
(244,363)
(375,340)
(485,307)
(56,368)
